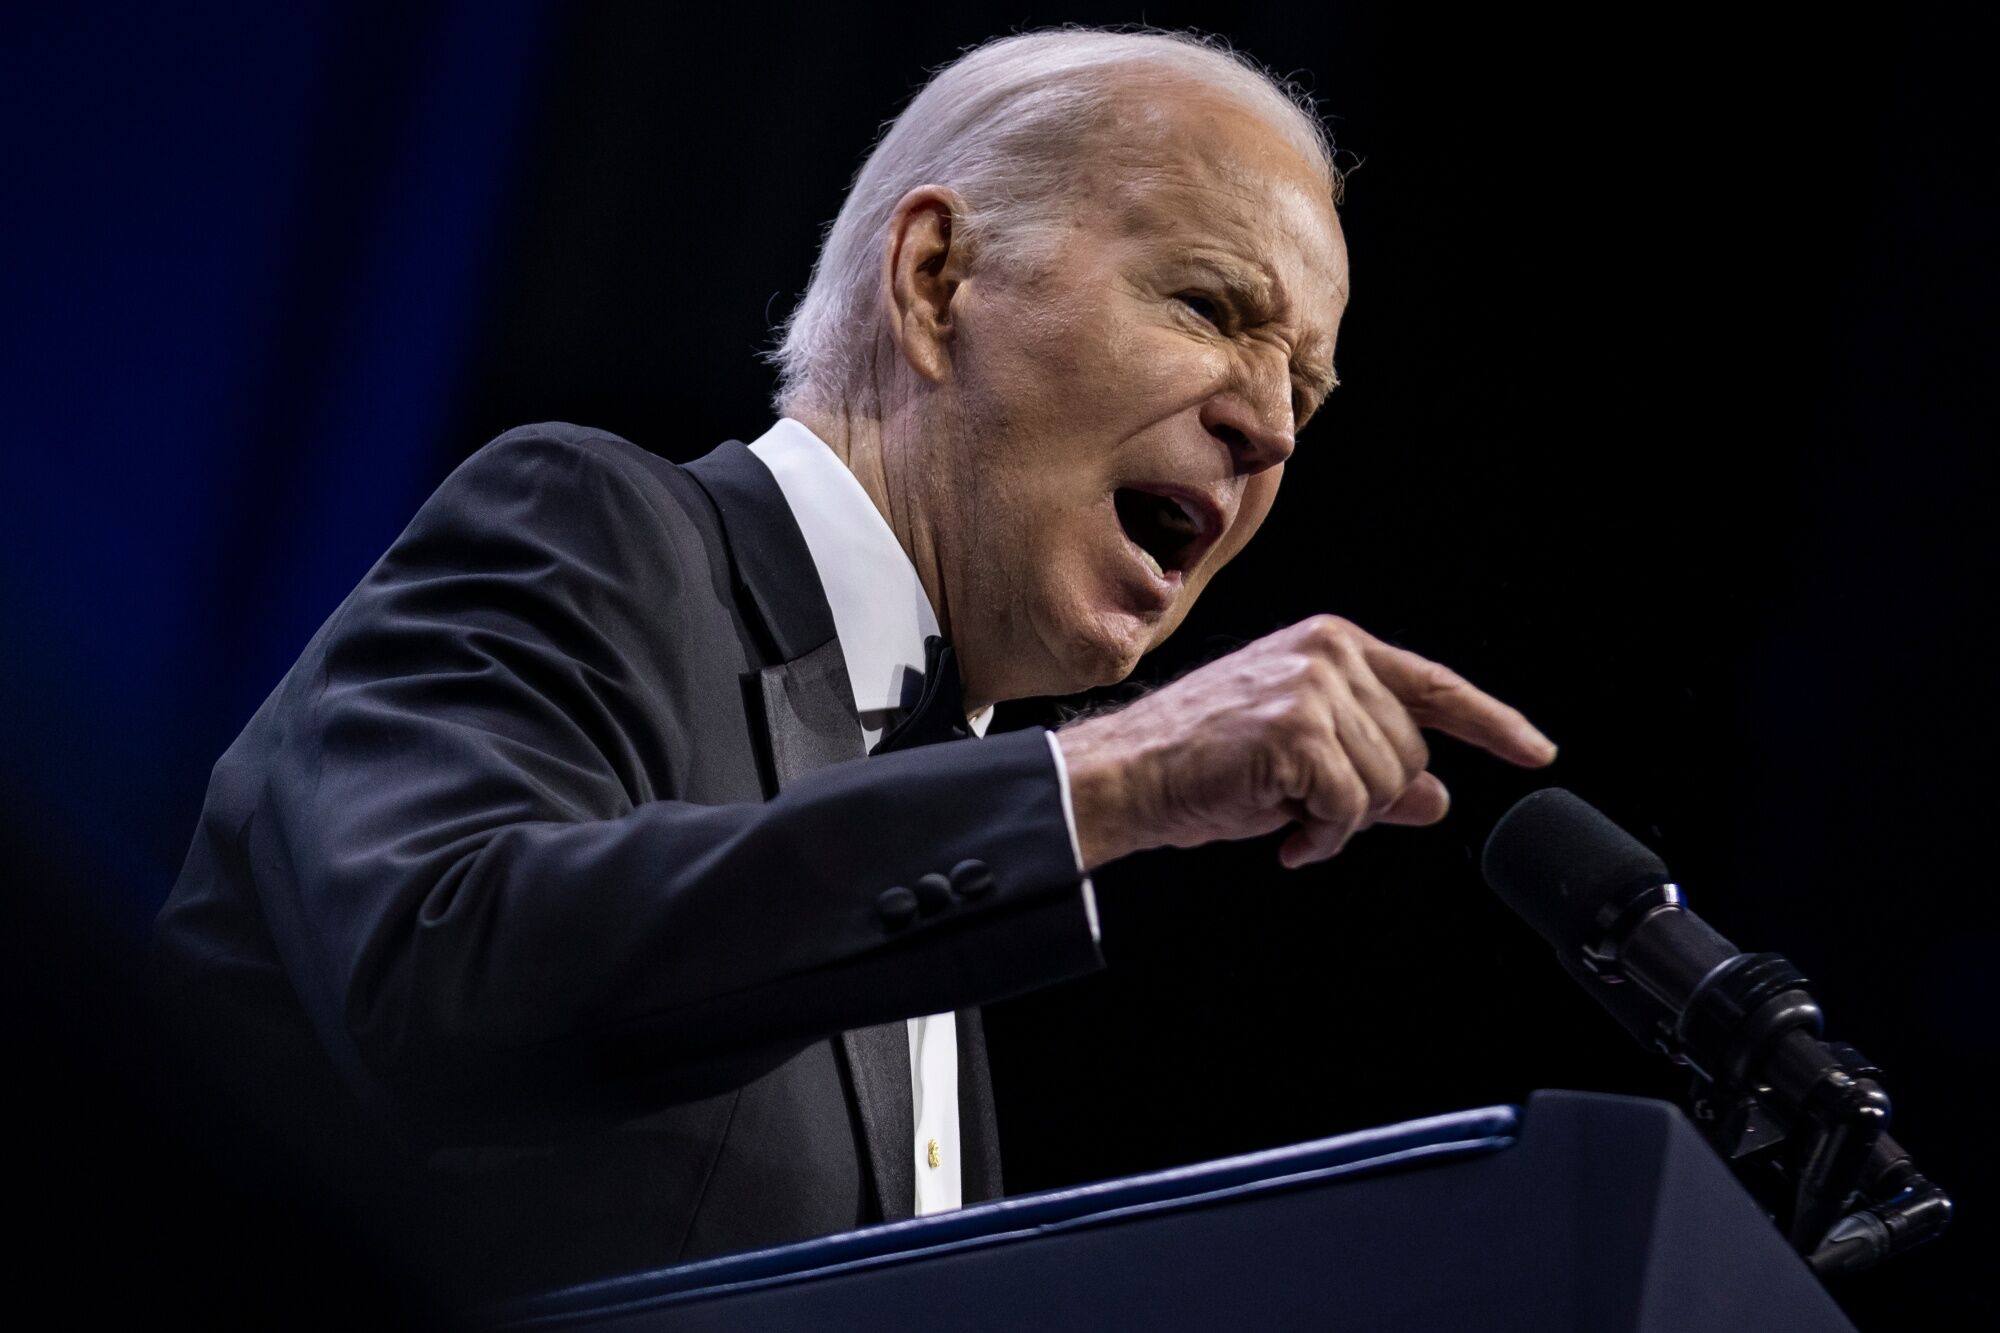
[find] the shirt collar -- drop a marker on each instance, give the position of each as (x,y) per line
(880,610)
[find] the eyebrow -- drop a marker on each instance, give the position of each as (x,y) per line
(1247,284)
(1322,380)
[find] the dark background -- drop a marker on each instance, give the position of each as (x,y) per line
(1665,418)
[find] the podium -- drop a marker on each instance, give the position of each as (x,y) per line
(1582,1211)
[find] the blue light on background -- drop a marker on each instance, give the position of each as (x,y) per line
(244,259)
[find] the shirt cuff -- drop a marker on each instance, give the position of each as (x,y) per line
(1075,844)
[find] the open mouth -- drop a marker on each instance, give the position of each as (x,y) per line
(1171,532)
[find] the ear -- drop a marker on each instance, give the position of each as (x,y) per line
(922,266)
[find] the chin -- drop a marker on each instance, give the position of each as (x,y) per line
(1105,648)
(1092,638)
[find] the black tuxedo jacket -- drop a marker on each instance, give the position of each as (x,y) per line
(552,875)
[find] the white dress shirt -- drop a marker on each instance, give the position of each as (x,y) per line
(882,616)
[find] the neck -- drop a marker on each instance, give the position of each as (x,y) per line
(881,450)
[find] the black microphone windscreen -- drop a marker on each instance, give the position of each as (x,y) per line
(1559,862)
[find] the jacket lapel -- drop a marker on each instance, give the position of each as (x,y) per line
(805,707)
(808,712)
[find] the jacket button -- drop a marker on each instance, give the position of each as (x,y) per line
(971,878)
(933,893)
(897,906)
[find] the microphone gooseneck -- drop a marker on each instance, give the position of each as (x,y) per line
(1745,1024)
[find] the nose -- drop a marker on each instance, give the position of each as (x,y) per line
(1254,443)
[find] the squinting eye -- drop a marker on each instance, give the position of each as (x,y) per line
(1202,306)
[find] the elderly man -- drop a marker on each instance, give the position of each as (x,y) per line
(624,861)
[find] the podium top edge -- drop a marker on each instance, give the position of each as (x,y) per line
(1432,1138)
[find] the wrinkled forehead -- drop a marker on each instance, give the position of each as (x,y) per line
(1191,170)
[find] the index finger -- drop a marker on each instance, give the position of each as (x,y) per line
(1440,698)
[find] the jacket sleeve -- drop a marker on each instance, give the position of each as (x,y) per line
(501,899)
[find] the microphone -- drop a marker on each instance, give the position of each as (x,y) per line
(1615,916)
(1744,1022)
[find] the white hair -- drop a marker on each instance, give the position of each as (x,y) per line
(1002,125)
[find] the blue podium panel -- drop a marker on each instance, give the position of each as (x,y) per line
(1590,1213)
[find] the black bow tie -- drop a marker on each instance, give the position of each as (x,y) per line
(939,711)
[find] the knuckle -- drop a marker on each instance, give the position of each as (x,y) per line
(1295,770)
(1349,794)
(1385,794)
(1321,677)
(1279,720)
(1301,710)
(1319,634)
(1293,670)
(1295,773)
(1439,683)
(1329,631)
(1268,769)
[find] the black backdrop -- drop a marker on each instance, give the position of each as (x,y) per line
(1664,417)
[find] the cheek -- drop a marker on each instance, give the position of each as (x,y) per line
(1033,335)
(1042,398)
(1101,369)
(1162,370)
(1259,494)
